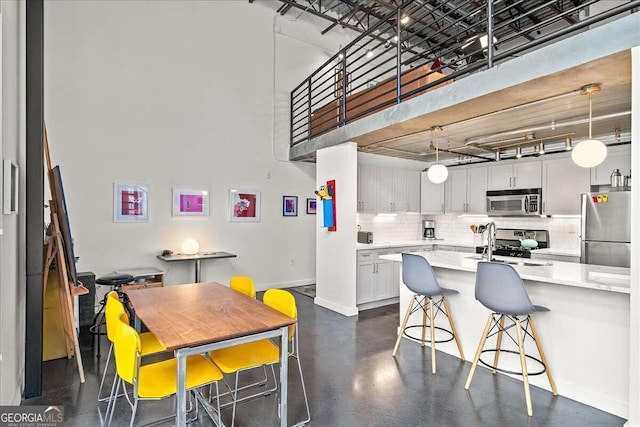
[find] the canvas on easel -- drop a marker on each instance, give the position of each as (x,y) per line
(60,249)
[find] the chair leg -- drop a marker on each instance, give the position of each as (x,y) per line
(498,343)
(542,356)
(104,373)
(112,403)
(133,412)
(404,325)
(235,396)
(424,324)
(433,336)
(477,357)
(523,363)
(453,327)
(304,391)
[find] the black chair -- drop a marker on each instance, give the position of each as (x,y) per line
(115,281)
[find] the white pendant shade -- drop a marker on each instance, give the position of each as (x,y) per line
(437,173)
(589,153)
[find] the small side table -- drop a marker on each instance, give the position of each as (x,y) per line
(197,258)
(147,277)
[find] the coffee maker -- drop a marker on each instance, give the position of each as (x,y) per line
(428,230)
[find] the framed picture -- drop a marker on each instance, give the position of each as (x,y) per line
(130,203)
(311,206)
(290,205)
(190,202)
(244,205)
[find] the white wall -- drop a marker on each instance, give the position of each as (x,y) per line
(12,239)
(336,255)
(172,93)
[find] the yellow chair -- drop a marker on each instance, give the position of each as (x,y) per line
(150,344)
(261,353)
(155,380)
(244,285)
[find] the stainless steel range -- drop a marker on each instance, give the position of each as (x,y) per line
(517,242)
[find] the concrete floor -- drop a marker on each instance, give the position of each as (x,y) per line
(352,380)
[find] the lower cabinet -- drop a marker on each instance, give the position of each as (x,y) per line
(377,279)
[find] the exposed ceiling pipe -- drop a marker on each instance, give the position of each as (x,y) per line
(485,139)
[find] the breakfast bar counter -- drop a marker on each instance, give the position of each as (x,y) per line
(585,334)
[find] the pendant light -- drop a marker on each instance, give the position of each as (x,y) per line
(437,173)
(591,152)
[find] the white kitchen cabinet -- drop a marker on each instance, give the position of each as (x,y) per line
(617,158)
(376,279)
(431,196)
(562,183)
(413,191)
(384,190)
(399,200)
(366,188)
(515,175)
(466,191)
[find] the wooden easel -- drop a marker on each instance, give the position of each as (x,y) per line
(66,290)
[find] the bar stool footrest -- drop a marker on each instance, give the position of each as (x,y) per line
(506,371)
(406,334)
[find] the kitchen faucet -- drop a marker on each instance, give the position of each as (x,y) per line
(491,240)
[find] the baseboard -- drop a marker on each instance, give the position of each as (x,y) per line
(345,311)
(380,303)
(284,285)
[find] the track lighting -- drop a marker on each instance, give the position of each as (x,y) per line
(497,155)
(567,144)
(541,150)
(518,152)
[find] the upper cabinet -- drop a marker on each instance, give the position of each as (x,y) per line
(466,190)
(366,188)
(388,190)
(515,175)
(562,183)
(617,158)
(431,196)
(413,191)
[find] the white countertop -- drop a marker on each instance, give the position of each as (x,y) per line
(401,243)
(613,279)
(559,252)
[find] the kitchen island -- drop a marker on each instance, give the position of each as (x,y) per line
(585,335)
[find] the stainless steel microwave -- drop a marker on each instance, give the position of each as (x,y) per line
(524,202)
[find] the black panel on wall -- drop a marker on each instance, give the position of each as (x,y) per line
(86,302)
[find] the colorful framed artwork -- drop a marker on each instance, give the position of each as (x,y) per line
(311,206)
(130,203)
(190,202)
(244,205)
(290,205)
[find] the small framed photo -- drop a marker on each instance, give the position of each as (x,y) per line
(190,202)
(311,206)
(130,203)
(290,205)
(244,205)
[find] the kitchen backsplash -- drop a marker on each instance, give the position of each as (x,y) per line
(564,232)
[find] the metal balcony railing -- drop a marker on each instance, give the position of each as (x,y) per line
(398,59)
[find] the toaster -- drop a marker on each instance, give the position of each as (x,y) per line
(365,237)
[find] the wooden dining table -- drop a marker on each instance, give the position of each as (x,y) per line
(197,318)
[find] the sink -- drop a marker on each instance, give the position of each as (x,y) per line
(522,263)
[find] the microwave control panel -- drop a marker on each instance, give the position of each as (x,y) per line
(534,203)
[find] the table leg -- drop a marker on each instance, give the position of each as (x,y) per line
(197,271)
(181,392)
(284,359)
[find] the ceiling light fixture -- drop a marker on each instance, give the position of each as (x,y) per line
(369,53)
(404,20)
(590,152)
(437,173)
(541,150)
(567,144)
(341,56)
(518,152)
(497,155)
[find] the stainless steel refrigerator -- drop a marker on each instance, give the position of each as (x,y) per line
(606,228)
